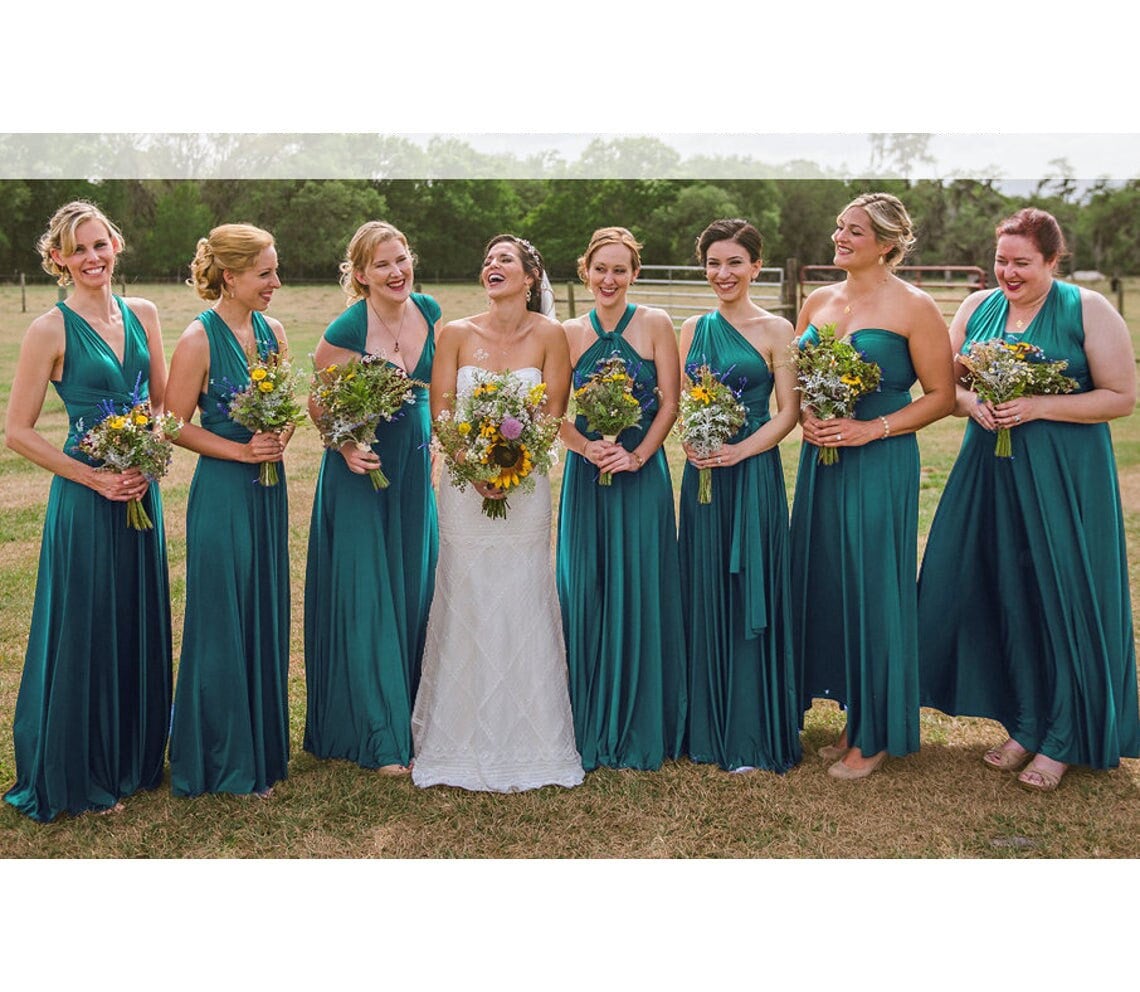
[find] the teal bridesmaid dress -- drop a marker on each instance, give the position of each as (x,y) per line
(370,578)
(1024,603)
(855,563)
(619,589)
(743,703)
(230,731)
(94,702)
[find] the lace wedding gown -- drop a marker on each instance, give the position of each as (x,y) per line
(493,709)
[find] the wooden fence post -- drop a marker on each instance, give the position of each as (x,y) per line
(570,299)
(792,288)
(23,294)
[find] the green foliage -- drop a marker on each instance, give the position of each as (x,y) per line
(461,197)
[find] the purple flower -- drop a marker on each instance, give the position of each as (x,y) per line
(510,428)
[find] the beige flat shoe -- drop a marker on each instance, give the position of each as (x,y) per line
(841,771)
(1039,780)
(1006,758)
(394,770)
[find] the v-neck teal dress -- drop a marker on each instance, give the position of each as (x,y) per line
(743,702)
(855,564)
(230,731)
(1024,604)
(370,578)
(94,701)
(619,588)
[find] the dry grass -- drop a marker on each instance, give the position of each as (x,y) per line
(940,803)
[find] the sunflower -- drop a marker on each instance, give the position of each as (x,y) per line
(514,464)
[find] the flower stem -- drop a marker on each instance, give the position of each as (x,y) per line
(704,486)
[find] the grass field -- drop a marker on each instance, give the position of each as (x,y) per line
(940,803)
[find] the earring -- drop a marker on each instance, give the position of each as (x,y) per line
(881,262)
(528,294)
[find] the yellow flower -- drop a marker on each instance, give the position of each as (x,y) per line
(464,428)
(117,423)
(537,392)
(851,380)
(258,374)
(701,394)
(142,419)
(266,386)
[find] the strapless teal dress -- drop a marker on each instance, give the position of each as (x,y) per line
(94,703)
(369,578)
(1024,604)
(230,731)
(743,702)
(619,589)
(854,566)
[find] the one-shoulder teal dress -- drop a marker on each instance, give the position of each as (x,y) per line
(94,701)
(230,731)
(855,563)
(743,702)
(619,588)
(370,578)
(1024,604)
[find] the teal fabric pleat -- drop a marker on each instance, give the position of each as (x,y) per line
(1024,602)
(230,730)
(618,586)
(743,704)
(94,701)
(370,578)
(854,565)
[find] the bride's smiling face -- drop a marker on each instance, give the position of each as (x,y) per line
(503,274)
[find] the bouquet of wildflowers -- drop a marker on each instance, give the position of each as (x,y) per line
(133,437)
(831,376)
(999,370)
(268,403)
(709,414)
(355,397)
(607,402)
(498,435)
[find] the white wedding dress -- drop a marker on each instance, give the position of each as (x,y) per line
(493,710)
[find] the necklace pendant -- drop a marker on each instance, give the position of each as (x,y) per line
(847,309)
(397,346)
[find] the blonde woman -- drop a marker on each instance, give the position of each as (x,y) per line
(91,716)
(618,577)
(372,554)
(230,731)
(855,523)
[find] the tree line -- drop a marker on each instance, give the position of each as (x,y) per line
(448,221)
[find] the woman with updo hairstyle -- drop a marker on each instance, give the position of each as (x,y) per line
(230,731)
(617,566)
(734,550)
(372,553)
(93,707)
(855,522)
(492,713)
(1024,603)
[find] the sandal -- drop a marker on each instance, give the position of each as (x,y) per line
(1047,781)
(1006,758)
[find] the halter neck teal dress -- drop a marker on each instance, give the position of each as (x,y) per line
(619,589)
(94,701)
(854,566)
(370,577)
(743,703)
(1024,603)
(230,731)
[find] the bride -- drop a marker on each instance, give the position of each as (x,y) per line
(493,709)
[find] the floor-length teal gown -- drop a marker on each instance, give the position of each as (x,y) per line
(743,703)
(1024,604)
(94,701)
(230,731)
(370,577)
(619,588)
(855,564)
